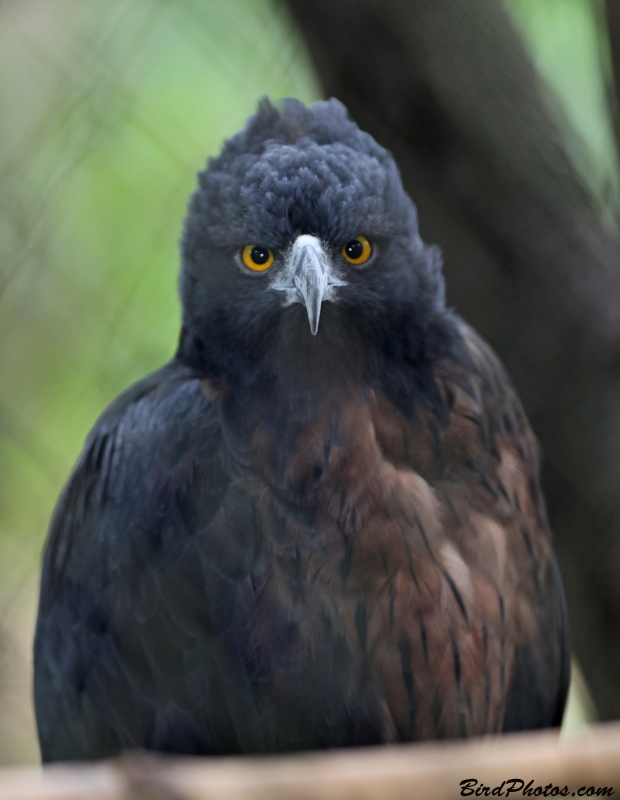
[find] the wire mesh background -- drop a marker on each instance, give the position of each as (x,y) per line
(107,110)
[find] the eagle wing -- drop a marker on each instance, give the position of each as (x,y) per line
(145,583)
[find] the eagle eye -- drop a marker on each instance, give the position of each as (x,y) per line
(358,250)
(257,258)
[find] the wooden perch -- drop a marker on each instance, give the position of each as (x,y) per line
(431,771)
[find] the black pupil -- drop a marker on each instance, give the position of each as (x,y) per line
(260,255)
(354,249)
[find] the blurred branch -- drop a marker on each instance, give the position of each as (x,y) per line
(449,88)
(431,771)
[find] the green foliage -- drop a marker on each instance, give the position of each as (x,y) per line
(568,42)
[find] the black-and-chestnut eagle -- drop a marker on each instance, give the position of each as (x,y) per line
(320,525)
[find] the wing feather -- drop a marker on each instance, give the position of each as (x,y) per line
(139,578)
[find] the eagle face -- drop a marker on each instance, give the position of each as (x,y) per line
(303,216)
(321,524)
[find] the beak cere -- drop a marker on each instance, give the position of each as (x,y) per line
(310,273)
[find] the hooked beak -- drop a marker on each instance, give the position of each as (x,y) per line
(309,277)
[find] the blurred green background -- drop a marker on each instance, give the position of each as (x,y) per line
(107,111)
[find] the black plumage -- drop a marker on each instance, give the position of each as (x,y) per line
(321,524)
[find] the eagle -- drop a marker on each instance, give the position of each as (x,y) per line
(320,525)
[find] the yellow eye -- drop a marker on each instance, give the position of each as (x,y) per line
(257,258)
(358,250)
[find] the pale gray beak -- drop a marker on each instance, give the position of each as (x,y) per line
(308,277)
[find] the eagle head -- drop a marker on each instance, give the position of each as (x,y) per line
(301,239)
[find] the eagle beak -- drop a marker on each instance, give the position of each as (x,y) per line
(310,273)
